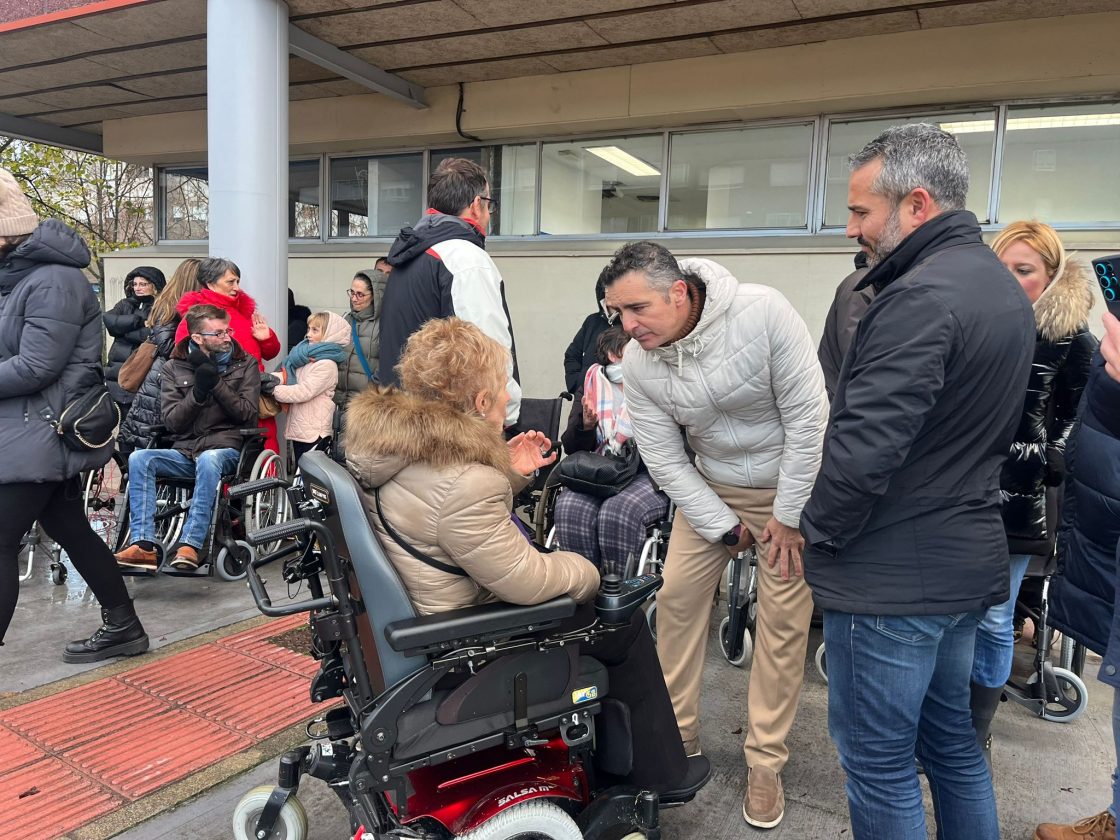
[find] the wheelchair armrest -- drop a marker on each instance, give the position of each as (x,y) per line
(256,431)
(473,625)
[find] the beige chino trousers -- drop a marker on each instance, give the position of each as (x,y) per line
(693,568)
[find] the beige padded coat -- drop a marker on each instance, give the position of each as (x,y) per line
(444,480)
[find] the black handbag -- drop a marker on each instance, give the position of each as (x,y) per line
(598,475)
(88,422)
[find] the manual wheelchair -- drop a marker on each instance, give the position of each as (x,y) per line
(475,723)
(225,553)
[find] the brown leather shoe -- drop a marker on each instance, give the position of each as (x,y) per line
(1099,827)
(765,803)
(186,559)
(134,557)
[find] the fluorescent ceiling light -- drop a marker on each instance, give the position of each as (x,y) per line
(1033,123)
(623,160)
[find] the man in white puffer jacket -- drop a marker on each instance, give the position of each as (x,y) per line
(734,365)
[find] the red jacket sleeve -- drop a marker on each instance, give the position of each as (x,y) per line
(270,347)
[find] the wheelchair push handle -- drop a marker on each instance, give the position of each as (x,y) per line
(252,488)
(281,531)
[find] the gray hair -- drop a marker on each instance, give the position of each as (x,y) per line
(652,260)
(213,269)
(917,155)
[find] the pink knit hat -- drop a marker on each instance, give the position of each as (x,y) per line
(16,215)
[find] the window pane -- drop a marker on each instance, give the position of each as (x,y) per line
(375,196)
(184,203)
(512,174)
(608,185)
(753,178)
(303,199)
(1061,164)
(975,131)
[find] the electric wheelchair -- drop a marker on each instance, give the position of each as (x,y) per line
(225,553)
(475,723)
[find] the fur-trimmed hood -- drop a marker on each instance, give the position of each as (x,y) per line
(1063,308)
(387,429)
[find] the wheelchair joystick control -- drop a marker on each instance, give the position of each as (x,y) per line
(618,599)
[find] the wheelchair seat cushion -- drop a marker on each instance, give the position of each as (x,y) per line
(420,733)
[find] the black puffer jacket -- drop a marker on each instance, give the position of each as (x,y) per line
(144,413)
(1062,355)
(583,352)
(125,322)
(50,353)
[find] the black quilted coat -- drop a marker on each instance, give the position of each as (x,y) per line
(125,323)
(1062,356)
(145,410)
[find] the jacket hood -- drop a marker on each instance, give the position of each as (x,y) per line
(53,242)
(242,303)
(1063,307)
(181,350)
(431,230)
(387,429)
(337,331)
(148,272)
(720,287)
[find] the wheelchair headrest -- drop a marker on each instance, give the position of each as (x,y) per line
(382,592)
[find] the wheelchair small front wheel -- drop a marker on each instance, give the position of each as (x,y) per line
(233,566)
(538,819)
(290,825)
(1071,700)
(738,652)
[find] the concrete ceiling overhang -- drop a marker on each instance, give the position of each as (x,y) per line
(94,60)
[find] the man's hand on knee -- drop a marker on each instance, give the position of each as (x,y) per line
(786,544)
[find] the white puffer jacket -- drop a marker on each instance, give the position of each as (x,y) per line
(748,389)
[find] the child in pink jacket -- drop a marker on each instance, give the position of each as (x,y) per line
(307,379)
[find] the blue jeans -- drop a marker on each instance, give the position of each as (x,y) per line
(995,635)
(898,687)
(145,465)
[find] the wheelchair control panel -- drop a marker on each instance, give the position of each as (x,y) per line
(619,599)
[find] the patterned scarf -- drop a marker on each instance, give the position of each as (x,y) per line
(613,428)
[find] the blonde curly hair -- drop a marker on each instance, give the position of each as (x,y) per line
(452,361)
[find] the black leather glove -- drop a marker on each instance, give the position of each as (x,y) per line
(205,378)
(269,383)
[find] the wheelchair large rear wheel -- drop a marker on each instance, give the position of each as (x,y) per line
(270,507)
(291,824)
(535,820)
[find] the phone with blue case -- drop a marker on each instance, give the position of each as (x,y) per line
(1107,271)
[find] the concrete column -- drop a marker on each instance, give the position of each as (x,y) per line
(247,146)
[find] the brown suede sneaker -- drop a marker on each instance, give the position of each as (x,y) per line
(186,559)
(1100,827)
(134,557)
(764,804)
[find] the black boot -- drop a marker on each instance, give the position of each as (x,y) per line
(120,634)
(984,702)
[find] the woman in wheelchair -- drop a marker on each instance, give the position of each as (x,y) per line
(439,480)
(606,531)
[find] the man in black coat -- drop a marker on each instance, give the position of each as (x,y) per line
(905,544)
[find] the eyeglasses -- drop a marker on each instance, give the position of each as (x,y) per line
(218,334)
(492,202)
(358,295)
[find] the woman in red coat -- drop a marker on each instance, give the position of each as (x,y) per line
(222,281)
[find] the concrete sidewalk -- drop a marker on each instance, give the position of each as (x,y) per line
(1044,772)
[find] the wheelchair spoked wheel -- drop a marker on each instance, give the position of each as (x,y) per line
(538,819)
(103,492)
(738,652)
(270,507)
(1068,703)
(169,525)
(232,566)
(290,825)
(651,620)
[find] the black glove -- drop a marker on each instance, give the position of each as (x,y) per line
(205,378)
(269,383)
(196,358)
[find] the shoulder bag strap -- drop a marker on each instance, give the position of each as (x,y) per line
(358,349)
(419,555)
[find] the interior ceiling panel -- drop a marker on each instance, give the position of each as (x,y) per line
(150,58)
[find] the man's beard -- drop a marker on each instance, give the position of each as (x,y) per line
(889,239)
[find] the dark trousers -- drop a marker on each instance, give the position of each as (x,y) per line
(635,679)
(57,505)
(300,448)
